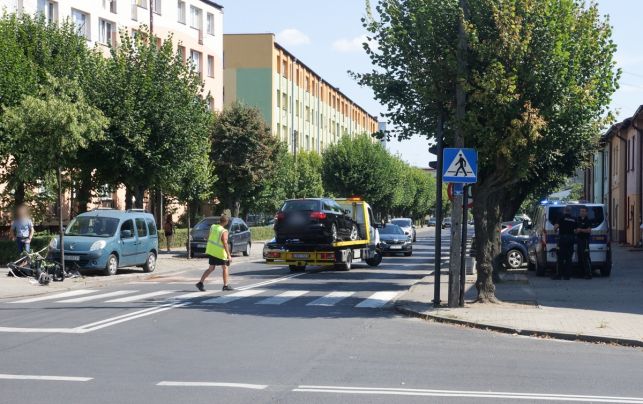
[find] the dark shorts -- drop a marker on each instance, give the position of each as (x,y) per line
(217,261)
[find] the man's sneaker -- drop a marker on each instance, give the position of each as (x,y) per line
(200,287)
(227,288)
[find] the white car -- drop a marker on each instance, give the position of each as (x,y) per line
(407,226)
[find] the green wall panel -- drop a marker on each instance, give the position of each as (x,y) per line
(254,87)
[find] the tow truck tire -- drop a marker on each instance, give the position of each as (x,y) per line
(374,261)
(297,268)
(345,266)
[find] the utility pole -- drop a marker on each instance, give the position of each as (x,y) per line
(152,18)
(458,141)
(438,212)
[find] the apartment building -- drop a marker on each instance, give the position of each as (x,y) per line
(302,109)
(615,178)
(196,27)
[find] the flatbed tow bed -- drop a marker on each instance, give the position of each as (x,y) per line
(340,254)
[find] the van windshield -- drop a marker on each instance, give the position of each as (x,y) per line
(595,214)
(92,226)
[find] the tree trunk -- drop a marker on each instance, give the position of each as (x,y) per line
(84,194)
(140,197)
(19,193)
(128,197)
(61,236)
(237,208)
(487,217)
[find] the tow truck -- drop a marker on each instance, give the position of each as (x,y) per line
(340,254)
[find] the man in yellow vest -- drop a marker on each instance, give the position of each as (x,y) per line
(218,252)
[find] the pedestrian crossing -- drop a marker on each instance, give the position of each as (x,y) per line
(260,297)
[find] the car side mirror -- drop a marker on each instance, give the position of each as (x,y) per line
(413,226)
(126,234)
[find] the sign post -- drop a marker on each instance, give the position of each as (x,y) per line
(460,167)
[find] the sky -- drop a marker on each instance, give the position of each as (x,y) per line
(327,36)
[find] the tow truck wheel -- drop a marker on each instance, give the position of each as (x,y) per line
(345,266)
(375,260)
(297,268)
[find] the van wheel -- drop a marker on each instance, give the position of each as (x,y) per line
(246,253)
(111,268)
(150,264)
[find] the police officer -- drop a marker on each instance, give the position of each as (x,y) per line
(218,252)
(583,231)
(566,228)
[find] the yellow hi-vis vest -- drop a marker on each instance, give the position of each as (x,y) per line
(215,245)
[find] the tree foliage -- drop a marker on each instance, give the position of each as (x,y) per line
(244,156)
(539,76)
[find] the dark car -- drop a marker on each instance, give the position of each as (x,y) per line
(394,241)
(314,220)
(515,238)
(238,235)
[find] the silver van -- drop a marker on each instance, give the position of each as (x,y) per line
(543,243)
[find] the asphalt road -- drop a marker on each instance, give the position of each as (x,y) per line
(316,337)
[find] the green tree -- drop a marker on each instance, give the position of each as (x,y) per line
(308,179)
(30,51)
(243,154)
(46,132)
(358,166)
(539,75)
(159,119)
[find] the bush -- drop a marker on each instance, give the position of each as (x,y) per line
(262,233)
(9,249)
(180,239)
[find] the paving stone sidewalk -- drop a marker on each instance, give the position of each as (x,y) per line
(598,310)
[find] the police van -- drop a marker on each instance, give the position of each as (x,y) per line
(544,241)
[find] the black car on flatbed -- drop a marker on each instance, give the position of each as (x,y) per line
(314,220)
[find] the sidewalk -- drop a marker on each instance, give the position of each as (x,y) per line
(599,310)
(168,265)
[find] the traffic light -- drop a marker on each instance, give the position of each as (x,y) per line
(434,149)
(433,165)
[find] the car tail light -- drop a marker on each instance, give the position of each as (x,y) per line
(318,215)
(280,216)
(273,254)
(327,256)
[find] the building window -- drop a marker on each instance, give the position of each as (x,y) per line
(106,32)
(110,5)
(195,58)
(195,17)
(210,23)
(210,66)
(181,51)
(81,21)
(181,11)
(142,3)
(48,8)
(284,68)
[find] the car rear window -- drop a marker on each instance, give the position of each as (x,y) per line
(301,205)
(402,222)
(595,214)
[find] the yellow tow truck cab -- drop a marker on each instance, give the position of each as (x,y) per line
(340,254)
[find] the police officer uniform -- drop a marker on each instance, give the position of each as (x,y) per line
(566,227)
(582,247)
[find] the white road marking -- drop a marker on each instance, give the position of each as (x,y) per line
(377,299)
(466,394)
(270,282)
(133,316)
(283,297)
(330,299)
(51,378)
(141,297)
(214,384)
(193,295)
(233,296)
(41,330)
(71,293)
(96,297)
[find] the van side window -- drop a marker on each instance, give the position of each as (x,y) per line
(141,227)
(151,227)
(128,225)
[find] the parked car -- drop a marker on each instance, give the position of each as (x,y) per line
(542,249)
(108,239)
(239,237)
(431,222)
(515,238)
(393,240)
(314,220)
(446,223)
(407,226)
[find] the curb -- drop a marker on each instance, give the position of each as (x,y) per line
(597,339)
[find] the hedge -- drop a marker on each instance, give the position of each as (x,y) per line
(9,248)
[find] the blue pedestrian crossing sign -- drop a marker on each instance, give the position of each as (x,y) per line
(460,166)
